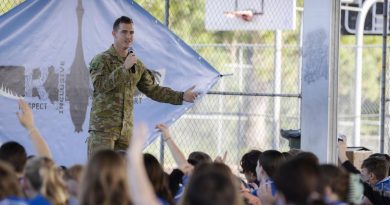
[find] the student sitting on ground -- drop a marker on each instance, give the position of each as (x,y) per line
(248,165)
(43,183)
(10,190)
(268,163)
(159,179)
(105,180)
(375,172)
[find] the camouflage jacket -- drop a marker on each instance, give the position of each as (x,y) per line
(114,88)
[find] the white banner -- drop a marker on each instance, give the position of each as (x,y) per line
(45,50)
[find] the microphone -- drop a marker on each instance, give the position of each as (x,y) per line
(131,51)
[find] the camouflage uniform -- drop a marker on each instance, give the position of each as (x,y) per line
(111,119)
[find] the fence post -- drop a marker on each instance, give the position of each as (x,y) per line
(319,82)
(383,77)
(162,144)
(277,87)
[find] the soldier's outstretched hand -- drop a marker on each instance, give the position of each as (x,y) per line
(190,95)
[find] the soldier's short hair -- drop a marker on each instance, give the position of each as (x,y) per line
(122,19)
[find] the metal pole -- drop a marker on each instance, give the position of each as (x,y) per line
(333,88)
(277,87)
(220,121)
(162,144)
(300,64)
(166,21)
(240,123)
(383,78)
(358,69)
(255,94)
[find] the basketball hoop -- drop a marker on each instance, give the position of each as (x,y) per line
(250,15)
(246,15)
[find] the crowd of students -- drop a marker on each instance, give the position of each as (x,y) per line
(133,177)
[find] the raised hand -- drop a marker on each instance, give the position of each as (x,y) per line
(25,116)
(164,130)
(190,95)
(342,148)
(220,159)
(140,134)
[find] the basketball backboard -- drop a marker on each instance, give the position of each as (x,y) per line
(373,24)
(250,14)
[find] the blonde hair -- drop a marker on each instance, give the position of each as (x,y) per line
(45,178)
(104,180)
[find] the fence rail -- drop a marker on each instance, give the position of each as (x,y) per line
(240,112)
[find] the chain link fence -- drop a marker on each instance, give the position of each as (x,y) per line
(239,122)
(370,107)
(247,120)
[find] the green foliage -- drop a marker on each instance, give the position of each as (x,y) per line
(6,5)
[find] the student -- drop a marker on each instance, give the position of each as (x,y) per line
(10,190)
(105,180)
(43,183)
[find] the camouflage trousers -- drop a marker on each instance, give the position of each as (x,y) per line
(98,140)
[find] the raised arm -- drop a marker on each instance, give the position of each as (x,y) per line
(342,155)
(179,157)
(141,189)
(26,119)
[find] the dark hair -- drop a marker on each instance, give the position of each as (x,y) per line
(122,19)
(212,184)
(335,178)
(297,178)
(287,155)
(9,184)
(384,156)
(198,157)
(158,178)
(14,154)
(175,179)
(378,166)
(271,160)
(249,161)
(309,156)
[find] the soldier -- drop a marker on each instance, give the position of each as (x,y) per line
(115,81)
